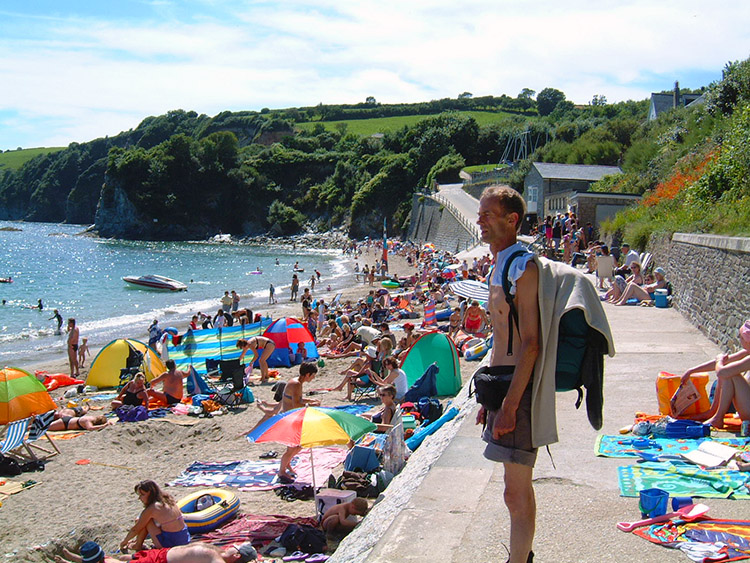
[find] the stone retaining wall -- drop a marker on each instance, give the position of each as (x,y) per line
(710,275)
(431,222)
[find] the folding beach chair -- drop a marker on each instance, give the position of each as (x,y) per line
(15,433)
(366,391)
(229,396)
(38,430)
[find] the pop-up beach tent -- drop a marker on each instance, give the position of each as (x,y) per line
(119,354)
(434,347)
(196,346)
(287,333)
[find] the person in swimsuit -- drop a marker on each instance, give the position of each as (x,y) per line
(455,322)
(171,381)
(73,347)
(198,553)
(292,399)
(262,348)
(387,394)
(475,319)
(133,394)
(88,422)
(161,519)
(90,552)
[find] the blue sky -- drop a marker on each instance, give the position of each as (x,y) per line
(78,70)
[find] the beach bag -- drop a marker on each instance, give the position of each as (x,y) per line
(303,538)
(9,467)
(128,413)
(430,409)
(198,399)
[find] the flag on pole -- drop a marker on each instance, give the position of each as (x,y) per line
(385,247)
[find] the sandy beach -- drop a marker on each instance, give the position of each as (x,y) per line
(73,503)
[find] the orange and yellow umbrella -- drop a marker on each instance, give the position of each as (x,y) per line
(22,395)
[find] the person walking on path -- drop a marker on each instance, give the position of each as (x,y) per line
(507,430)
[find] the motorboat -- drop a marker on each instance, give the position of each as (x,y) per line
(156,282)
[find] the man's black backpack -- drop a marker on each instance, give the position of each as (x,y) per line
(580,348)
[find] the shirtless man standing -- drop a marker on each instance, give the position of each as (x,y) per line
(292,399)
(508,429)
(73,347)
(171,381)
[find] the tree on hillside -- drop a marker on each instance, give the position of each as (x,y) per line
(465,95)
(526,94)
(370,100)
(599,100)
(548,99)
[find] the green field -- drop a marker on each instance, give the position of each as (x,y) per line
(13,160)
(367,127)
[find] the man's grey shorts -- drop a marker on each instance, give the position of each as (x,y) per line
(514,447)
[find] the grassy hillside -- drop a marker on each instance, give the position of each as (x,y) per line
(367,127)
(13,160)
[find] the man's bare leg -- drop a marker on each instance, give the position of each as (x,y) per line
(521,503)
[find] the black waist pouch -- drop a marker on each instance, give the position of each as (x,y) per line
(490,384)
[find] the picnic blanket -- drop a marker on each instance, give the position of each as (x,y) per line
(9,487)
(610,446)
(253,527)
(248,475)
(682,480)
(703,540)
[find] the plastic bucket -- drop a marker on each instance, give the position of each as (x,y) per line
(653,502)
(660,298)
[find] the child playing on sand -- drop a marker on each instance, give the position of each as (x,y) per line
(301,354)
(91,552)
(83,350)
(344,517)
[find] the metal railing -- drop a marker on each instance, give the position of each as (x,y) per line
(469,226)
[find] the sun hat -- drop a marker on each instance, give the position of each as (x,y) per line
(247,552)
(745,335)
(91,552)
(371,351)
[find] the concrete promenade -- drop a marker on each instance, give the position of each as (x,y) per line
(447,504)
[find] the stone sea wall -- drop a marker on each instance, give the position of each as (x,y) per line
(710,275)
(432,222)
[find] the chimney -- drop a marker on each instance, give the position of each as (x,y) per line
(676,98)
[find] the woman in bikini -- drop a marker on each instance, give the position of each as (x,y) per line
(133,394)
(161,519)
(262,348)
(89,422)
(475,319)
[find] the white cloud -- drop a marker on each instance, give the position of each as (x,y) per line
(96,76)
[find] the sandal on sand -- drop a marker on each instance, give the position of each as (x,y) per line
(317,558)
(297,556)
(269,455)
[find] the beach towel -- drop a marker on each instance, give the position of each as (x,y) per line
(261,475)
(253,527)
(609,446)
(682,480)
(703,540)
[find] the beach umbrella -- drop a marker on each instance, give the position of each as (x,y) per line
(22,395)
(471,289)
(312,426)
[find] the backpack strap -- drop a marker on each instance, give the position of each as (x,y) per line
(512,311)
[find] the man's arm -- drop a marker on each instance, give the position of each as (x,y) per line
(527,303)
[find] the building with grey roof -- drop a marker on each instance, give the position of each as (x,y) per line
(665,102)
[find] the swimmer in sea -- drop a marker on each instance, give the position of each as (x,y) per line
(58,317)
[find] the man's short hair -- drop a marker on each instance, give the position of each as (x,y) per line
(624,244)
(307,368)
(508,199)
(361,506)
(170,364)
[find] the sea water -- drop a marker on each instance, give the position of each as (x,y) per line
(81,276)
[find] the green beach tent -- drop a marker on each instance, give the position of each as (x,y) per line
(428,349)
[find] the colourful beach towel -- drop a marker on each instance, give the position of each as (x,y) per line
(609,446)
(703,540)
(682,480)
(250,475)
(253,527)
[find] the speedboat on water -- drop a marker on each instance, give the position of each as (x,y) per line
(156,282)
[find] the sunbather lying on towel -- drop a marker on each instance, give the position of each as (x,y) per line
(733,386)
(645,293)
(198,553)
(87,422)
